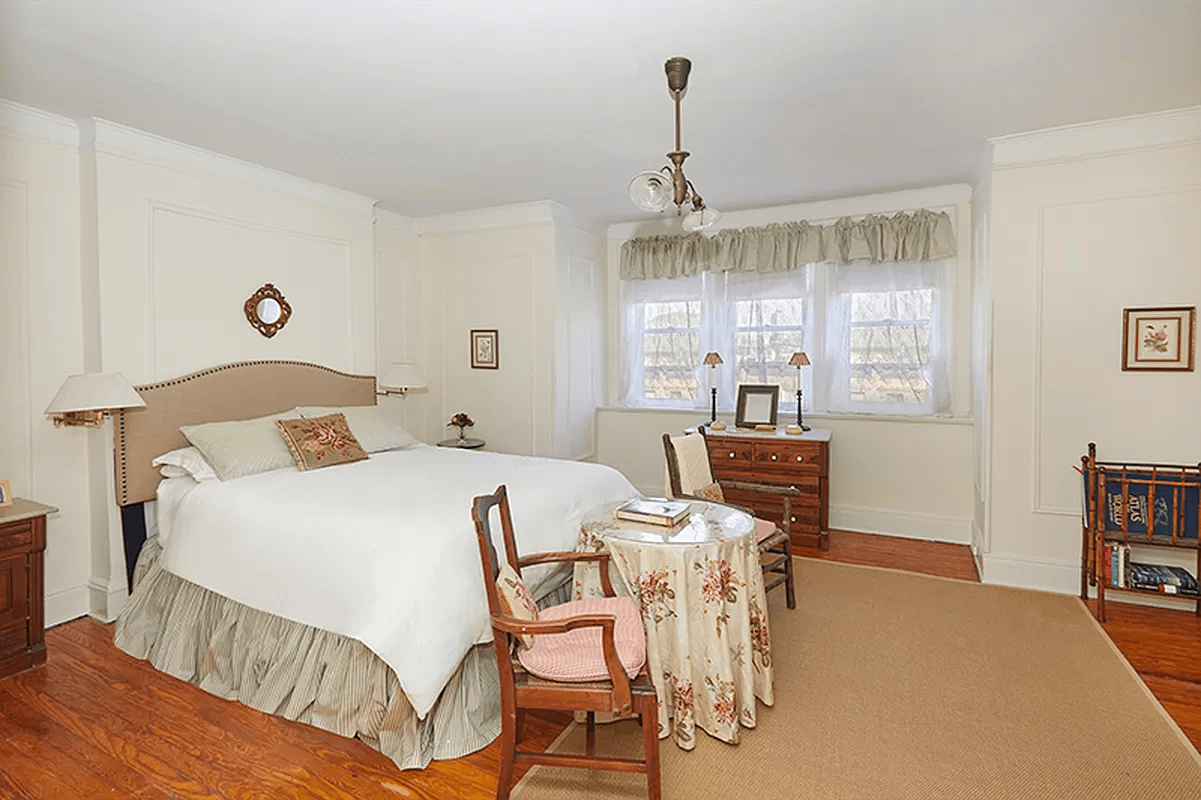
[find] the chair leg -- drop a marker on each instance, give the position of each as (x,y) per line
(789,588)
(508,751)
(590,734)
(649,716)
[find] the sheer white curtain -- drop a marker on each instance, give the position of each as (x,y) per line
(767,317)
(888,337)
(663,342)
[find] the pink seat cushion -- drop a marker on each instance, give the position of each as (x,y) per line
(577,655)
(764,529)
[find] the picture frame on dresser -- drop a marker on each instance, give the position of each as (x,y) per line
(6,495)
(757,405)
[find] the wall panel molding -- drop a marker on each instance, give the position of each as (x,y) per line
(1038,421)
(18,421)
(158,207)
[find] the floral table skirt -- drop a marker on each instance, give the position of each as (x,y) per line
(708,645)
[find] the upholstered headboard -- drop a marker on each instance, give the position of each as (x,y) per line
(243,390)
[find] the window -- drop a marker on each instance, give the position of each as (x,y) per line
(671,335)
(755,322)
(890,346)
(876,334)
(886,338)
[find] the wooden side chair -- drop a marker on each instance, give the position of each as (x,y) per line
(690,475)
(585,655)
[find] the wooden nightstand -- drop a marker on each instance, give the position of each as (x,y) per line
(22,613)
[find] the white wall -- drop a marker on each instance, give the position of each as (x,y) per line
(894,476)
(1086,221)
(41,339)
(135,255)
(402,333)
(532,273)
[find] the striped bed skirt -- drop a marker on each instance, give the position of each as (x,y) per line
(302,673)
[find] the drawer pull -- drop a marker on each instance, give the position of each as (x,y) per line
(773,456)
(794,519)
(800,458)
(731,455)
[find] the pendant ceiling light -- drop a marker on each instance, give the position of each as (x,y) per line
(654,190)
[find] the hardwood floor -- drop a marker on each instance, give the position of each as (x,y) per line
(95,723)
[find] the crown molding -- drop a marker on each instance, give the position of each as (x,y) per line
(118,140)
(1097,138)
(33,122)
(934,197)
(396,221)
(540,212)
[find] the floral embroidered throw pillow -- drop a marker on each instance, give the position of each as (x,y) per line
(515,599)
(712,493)
(321,442)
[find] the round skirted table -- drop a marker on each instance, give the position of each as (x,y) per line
(700,588)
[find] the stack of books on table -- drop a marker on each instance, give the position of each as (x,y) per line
(653,511)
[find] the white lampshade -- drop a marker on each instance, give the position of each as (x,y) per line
(402,376)
(99,391)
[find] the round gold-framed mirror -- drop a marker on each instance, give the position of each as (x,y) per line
(267,311)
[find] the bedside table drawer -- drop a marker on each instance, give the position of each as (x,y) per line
(16,536)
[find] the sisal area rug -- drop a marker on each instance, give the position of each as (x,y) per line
(895,685)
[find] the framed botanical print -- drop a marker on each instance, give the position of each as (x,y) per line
(1159,339)
(484,353)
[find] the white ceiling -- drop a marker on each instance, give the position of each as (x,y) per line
(434,107)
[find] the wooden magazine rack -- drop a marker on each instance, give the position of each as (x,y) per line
(1156,505)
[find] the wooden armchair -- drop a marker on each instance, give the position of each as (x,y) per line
(596,638)
(690,475)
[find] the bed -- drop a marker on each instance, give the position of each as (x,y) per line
(346,597)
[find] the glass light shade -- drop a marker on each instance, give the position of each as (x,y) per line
(651,191)
(99,391)
(402,376)
(712,360)
(701,220)
(798,360)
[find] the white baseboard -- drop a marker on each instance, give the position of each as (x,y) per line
(904,524)
(66,605)
(105,600)
(1062,577)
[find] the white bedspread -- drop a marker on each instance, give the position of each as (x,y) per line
(383,550)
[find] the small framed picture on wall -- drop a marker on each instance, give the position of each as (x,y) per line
(484,352)
(1159,339)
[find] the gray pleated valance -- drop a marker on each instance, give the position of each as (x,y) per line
(920,236)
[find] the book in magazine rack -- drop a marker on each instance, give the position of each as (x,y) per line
(1155,505)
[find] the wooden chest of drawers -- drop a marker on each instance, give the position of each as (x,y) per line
(22,621)
(782,460)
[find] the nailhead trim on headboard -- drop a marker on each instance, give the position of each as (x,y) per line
(120,431)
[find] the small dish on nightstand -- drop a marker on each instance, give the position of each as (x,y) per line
(462,444)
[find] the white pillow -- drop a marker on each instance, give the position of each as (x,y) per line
(374,429)
(244,447)
(186,462)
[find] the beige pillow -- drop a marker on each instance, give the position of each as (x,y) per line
(516,600)
(243,447)
(712,493)
(374,429)
(320,442)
